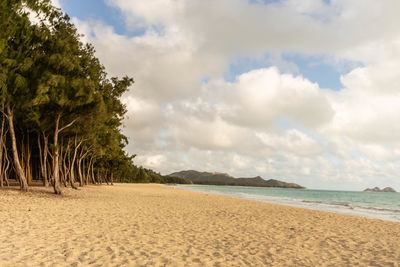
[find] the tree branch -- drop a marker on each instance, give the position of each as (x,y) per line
(68,125)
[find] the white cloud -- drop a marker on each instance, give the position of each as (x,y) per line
(261,96)
(183,114)
(154,161)
(293,141)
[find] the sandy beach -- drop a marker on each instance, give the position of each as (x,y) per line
(152,225)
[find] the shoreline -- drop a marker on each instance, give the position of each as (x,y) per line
(143,224)
(346,208)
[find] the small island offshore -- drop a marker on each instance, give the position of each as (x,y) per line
(377,189)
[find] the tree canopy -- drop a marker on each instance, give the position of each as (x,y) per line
(61,114)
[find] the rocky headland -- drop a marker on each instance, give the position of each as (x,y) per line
(216,178)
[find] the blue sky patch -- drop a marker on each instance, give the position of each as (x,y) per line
(317,71)
(95,10)
(314,68)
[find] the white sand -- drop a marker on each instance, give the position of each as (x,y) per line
(138,225)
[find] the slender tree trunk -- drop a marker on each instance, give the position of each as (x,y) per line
(40,157)
(43,158)
(17,164)
(84,171)
(45,154)
(22,155)
(112,178)
(2,141)
(2,173)
(67,167)
(105,176)
(2,165)
(7,164)
(72,170)
(80,173)
(56,171)
(93,178)
(88,171)
(79,166)
(50,170)
(63,176)
(81,169)
(28,162)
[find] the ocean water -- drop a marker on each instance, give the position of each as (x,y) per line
(384,206)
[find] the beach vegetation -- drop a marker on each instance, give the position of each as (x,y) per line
(61,113)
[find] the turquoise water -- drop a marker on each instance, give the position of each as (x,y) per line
(385,206)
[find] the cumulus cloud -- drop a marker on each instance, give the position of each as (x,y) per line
(269,121)
(261,96)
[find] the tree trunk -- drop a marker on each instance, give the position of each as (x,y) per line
(2,165)
(84,172)
(28,162)
(67,167)
(2,141)
(22,155)
(105,176)
(50,171)
(80,174)
(88,171)
(72,171)
(112,178)
(93,178)
(7,166)
(81,166)
(40,157)
(63,176)
(17,164)
(43,158)
(45,154)
(56,171)
(98,177)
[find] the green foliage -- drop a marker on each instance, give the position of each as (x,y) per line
(47,73)
(176,180)
(143,175)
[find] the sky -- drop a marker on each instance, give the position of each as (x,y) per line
(304,91)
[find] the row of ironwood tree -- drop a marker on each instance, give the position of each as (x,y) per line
(60,114)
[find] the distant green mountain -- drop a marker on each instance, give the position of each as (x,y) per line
(216,178)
